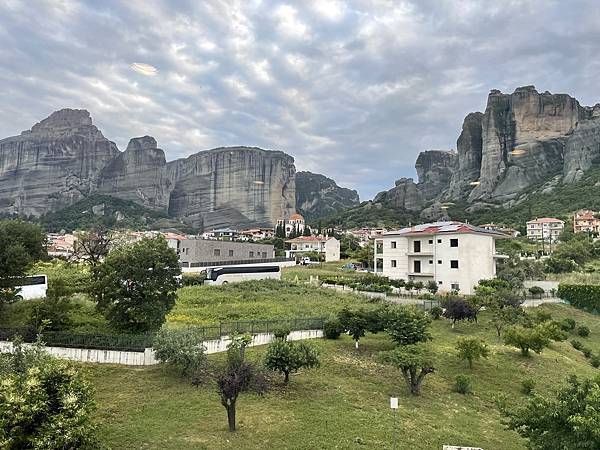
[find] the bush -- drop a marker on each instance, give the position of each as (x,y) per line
(332,329)
(436,312)
(53,312)
(470,348)
(526,339)
(536,290)
(281,333)
(577,345)
(180,349)
(192,279)
(586,352)
(527,386)
(408,325)
(583,331)
(462,384)
(584,296)
(288,357)
(595,361)
(568,324)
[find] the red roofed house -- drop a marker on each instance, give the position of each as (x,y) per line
(545,229)
(454,255)
(585,221)
(294,224)
(329,247)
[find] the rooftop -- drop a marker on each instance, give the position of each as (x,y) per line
(444,227)
(300,239)
(546,220)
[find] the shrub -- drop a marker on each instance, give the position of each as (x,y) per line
(436,312)
(458,309)
(332,329)
(583,331)
(290,356)
(471,348)
(568,324)
(462,384)
(584,296)
(595,361)
(577,345)
(408,325)
(553,331)
(52,312)
(536,290)
(586,352)
(180,349)
(281,333)
(527,386)
(526,339)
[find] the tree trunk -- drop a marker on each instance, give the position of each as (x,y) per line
(286,376)
(356,345)
(231,416)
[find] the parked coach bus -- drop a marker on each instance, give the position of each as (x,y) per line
(29,287)
(235,274)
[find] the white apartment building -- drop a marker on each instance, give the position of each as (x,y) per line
(545,229)
(453,254)
(328,247)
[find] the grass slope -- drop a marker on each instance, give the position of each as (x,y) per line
(342,404)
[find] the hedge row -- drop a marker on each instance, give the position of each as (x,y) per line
(584,296)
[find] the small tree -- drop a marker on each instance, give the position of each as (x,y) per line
(414,362)
(180,349)
(503,317)
(135,285)
(408,325)
(356,323)
(458,309)
(432,287)
(44,402)
(526,339)
(471,349)
(289,356)
(536,291)
(569,421)
(419,286)
(93,245)
(237,376)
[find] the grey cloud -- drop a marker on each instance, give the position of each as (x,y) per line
(353,91)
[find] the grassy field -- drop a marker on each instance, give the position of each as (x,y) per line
(302,273)
(344,403)
(255,300)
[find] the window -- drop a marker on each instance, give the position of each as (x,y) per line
(417,266)
(417,246)
(440,283)
(439,261)
(264,254)
(393,244)
(431,261)
(393,261)
(455,287)
(217,252)
(431,241)
(439,241)
(230,252)
(453,242)
(454,263)
(251,254)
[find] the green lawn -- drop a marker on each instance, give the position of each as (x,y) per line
(344,403)
(256,300)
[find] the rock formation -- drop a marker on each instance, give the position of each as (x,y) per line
(53,165)
(435,169)
(405,194)
(318,196)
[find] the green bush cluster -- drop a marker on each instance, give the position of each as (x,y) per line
(584,296)
(369,283)
(462,384)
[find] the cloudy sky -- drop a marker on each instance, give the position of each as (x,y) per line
(351,89)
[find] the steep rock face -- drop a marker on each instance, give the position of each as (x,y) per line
(138,174)
(52,165)
(236,185)
(523,136)
(582,149)
(435,169)
(318,196)
(405,194)
(469,147)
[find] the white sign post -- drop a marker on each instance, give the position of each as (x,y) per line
(394,407)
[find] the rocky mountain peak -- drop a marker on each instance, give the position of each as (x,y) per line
(64,118)
(142,143)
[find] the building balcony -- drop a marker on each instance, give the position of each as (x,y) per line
(427,253)
(420,274)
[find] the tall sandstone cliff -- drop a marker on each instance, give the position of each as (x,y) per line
(520,142)
(318,196)
(65,158)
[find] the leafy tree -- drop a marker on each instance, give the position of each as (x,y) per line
(93,245)
(21,244)
(569,421)
(180,349)
(409,285)
(414,362)
(559,265)
(472,348)
(432,287)
(289,356)
(536,290)
(356,323)
(526,339)
(408,325)
(45,403)
(458,308)
(238,376)
(135,285)
(503,317)
(418,286)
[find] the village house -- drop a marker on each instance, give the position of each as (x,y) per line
(545,229)
(295,224)
(328,247)
(454,255)
(585,221)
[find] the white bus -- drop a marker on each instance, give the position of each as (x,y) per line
(233,274)
(29,287)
